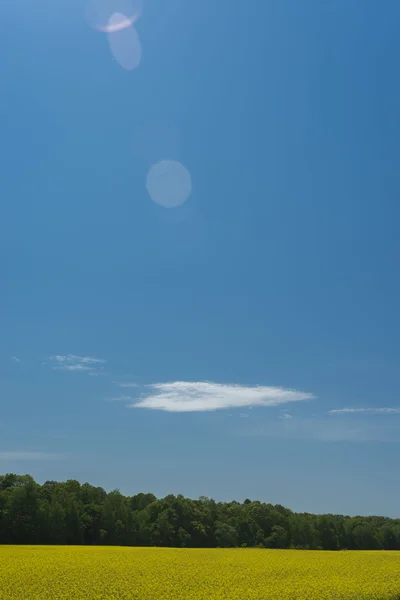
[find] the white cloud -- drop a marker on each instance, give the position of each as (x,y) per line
(72,358)
(374,411)
(286,416)
(71,362)
(29,456)
(73,368)
(126,385)
(120,399)
(186,396)
(15,359)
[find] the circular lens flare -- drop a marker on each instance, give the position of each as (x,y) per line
(169,183)
(124,43)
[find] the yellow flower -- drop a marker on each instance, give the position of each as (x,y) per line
(101,573)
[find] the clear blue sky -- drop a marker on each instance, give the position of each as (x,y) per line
(280,271)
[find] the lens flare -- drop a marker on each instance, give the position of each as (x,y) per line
(99,13)
(117,22)
(124,43)
(169,183)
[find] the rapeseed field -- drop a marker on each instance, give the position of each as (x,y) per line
(94,573)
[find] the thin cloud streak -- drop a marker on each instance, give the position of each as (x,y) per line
(325,430)
(119,399)
(201,396)
(73,368)
(72,358)
(21,456)
(15,359)
(371,411)
(72,362)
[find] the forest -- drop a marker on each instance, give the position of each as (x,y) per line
(73,513)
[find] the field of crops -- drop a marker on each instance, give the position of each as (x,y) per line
(94,573)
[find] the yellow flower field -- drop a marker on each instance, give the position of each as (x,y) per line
(94,573)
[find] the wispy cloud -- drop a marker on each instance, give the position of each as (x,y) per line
(286,416)
(71,362)
(326,429)
(120,399)
(371,411)
(15,359)
(73,368)
(123,384)
(68,358)
(17,456)
(186,396)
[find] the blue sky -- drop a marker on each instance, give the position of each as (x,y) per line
(205,202)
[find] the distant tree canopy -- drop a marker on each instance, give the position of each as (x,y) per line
(71,513)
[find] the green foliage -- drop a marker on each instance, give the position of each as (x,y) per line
(71,513)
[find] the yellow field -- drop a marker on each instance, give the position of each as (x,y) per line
(94,573)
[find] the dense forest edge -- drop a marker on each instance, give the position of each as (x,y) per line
(73,513)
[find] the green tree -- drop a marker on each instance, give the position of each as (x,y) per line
(278,537)
(226,536)
(71,513)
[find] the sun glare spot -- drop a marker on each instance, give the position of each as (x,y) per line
(169,183)
(99,12)
(117,22)
(124,42)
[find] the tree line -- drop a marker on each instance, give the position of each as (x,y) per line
(73,513)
